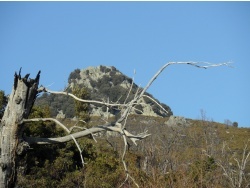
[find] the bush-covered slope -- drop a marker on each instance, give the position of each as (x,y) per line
(173,156)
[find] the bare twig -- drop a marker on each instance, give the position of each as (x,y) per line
(47,119)
(236,175)
(155,103)
(124,162)
(130,89)
(79,149)
(196,64)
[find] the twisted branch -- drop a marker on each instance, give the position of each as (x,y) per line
(115,126)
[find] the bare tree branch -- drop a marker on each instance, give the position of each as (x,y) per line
(124,162)
(196,64)
(43,89)
(130,89)
(62,126)
(47,119)
(155,102)
(106,127)
(119,125)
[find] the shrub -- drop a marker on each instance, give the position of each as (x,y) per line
(3,103)
(74,75)
(235,124)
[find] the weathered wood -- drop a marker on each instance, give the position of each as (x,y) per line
(92,130)
(19,105)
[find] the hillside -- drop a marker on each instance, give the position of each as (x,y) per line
(103,84)
(187,155)
(178,153)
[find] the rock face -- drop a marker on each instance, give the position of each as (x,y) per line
(109,84)
(91,77)
(177,121)
(60,115)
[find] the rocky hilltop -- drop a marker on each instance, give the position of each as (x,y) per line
(107,84)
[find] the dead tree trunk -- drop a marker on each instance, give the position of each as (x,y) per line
(19,105)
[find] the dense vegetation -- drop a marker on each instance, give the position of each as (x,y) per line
(56,103)
(181,156)
(3,102)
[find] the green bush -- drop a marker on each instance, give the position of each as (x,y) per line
(74,75)
(3,103)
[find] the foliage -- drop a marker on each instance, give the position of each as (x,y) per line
(235,124)
(171,157)
(60,165)
(81,109)
(181,156)
(3,103)
(74,75)
(56,103)
(105,168)
(188,156)
(139,109)
(109,87)
(40,129)
(48,165)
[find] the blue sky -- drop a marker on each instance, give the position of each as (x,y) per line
(58,37)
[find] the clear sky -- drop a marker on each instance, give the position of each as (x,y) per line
(58,37)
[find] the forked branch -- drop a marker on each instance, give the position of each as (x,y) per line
(120,124)
(203,65)
(105,127)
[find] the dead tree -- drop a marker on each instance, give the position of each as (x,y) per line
(24,93)
(20,102)
(235,173)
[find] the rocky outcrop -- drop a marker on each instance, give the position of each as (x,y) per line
(177,121)
(109,84)
(103,84)
(106,83)
(91,76)
(60,115)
